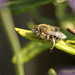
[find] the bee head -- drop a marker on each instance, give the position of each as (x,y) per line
(35,30)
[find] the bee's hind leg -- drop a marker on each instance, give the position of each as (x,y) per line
(53,44)
(47,37)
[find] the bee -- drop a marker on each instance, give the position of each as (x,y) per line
(48,32)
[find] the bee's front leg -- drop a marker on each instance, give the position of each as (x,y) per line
(32,31)
(53,43)
(46,38)
(38,34)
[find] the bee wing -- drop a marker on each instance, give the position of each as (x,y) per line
(56,28)
(57,34)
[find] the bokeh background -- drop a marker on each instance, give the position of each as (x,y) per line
(41,63)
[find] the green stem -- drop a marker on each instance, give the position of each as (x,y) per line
(12,37)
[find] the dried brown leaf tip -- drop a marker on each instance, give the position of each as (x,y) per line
(71,30)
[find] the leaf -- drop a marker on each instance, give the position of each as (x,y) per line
(71,42)
(65,47)
(60,1)
(31,50)
(52,71)
(60,45)
(28,34)
(18,7)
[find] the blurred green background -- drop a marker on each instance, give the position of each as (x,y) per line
(54,13)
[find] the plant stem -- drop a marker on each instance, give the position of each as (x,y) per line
(12,37)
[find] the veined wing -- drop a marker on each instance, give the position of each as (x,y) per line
(56,28)
(57,34)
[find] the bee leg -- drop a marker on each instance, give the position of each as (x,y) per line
(38,34)
(59,39)
(47,37)
(41,34)
(44,40)
(53,43)
(32,31)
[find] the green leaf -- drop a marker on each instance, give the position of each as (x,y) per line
(31,50)
(60,1)
(52,71)
(71,42)
(34,48)
(18,7)
(28,34)
(60,45)
(65,47)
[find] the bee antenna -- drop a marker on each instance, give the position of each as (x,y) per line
(32,21)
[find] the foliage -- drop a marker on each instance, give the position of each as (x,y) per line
(18,7)
(26,5)
(63,18)
(33,49)
(52,71)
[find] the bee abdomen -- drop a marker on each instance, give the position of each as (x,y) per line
(55,37)
(58,39)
